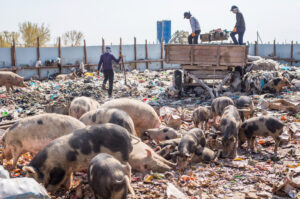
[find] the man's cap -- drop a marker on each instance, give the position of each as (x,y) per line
(186,14)
(108,48)
(233,7)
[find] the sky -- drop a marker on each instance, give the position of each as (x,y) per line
(112,19)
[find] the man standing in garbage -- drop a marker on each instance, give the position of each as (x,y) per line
(106,60)
(240,26)
(193,38)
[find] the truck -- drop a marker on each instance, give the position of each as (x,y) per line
(207,65)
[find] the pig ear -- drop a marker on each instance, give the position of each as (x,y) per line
(149,153)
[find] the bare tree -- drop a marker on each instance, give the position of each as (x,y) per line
(6,38)
(72,38)
(31,31)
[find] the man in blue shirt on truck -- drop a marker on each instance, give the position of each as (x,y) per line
(106,60)
(193,38)
(239,27)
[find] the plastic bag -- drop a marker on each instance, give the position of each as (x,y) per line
(25,188)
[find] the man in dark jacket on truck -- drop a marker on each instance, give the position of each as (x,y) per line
(239,27)
(106,60)
(193,38)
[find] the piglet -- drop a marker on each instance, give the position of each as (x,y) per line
(230,124)
(107,177)
(245,106)
(275,85)
(161,134)
(82,105)
(65,77)
(53,166)
(201,115)
(219,104)
(261,126)
(10,79)
(105,115)
(192,141)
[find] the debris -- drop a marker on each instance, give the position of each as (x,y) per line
(26,188)
(173,192)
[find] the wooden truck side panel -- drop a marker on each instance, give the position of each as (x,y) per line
(206,55)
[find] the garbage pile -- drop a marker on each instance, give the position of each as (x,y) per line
(249,175)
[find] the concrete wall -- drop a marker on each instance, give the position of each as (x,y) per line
(71,55)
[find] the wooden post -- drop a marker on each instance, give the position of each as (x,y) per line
(38,56)
(292,52)
(59,55)
(135,59)
(85,52)
(103,46)
(146,54)
(274,48)
(13,56)
(255,48)
(120,51)
(162,52)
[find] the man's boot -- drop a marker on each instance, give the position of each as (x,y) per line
(103,87)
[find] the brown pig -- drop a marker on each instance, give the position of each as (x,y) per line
(230,124)
(82,105)
(105,115)
(32,134)
(10,79)
(201,115)
(142,114)
(144,159)
(261,126)
(65,77)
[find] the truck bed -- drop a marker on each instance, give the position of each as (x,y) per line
(206,55)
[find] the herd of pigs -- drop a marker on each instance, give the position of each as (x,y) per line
(107,140)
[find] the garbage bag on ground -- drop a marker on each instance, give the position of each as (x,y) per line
(25,188)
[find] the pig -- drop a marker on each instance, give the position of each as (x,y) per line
(260,126)
(143,115)
(169,149)
(105,115)
(82,105)
(107,177)
(53,166)
(219,104)
(230,124)
(10,79)
(144,159)
(161,134)
(201,115)
(246,104)
(192,141)
(64,77)
(33,133)
(204,155)
(275,85)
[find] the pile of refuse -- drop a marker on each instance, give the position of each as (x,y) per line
(259,175)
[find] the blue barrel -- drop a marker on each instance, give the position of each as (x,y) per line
(164,30)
